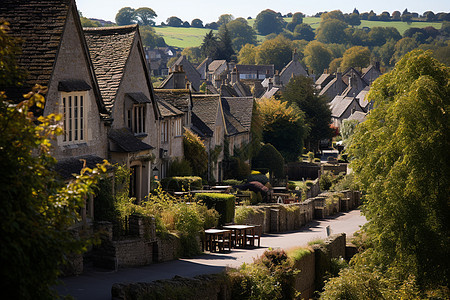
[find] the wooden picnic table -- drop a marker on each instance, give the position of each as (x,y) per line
(217,239)
(244,235)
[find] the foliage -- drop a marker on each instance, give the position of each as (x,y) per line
(257,176)
(297,253)
(197,23)
(269,157)
(283,127)
(10,72)
(224,204)
(317,56)
(247,55)
(347,129)
(178,184)
(195,153)
(401,163)
(174,22)
(150,38)
(179,167)
(331,31)
(268,21)
(240,33)
(277,51)
(125,16)
(85,22)
(236,168)
(270,277)
(301,91)
(357,57)
(297,19)
(145,16)
(243,212)
(304,32)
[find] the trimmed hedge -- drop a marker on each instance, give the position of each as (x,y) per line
(223,203)
(178,184)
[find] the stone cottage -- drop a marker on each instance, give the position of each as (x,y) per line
(124,80)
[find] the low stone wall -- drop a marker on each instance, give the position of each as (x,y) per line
(211,287)
(336,169)
(288,217)
(312,268)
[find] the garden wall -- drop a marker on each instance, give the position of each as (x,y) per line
(312,266)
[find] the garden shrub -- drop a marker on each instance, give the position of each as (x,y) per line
(179,167)
(232,182)
(178,184)
(325,181)
(258,177)
(224,204)
(269,157)
(297,253)
(243,213)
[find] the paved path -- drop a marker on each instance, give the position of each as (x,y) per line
(96,284)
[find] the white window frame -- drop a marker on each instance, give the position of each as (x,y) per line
(74,109)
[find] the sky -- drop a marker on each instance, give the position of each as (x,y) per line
(210,10)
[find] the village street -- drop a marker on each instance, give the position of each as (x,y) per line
(96,284)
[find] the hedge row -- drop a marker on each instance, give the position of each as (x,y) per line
(223,203)
(178,184)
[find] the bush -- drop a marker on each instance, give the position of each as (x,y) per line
(325,181)
(258,177)
(179,167)
(224,204)
(271,158)
(178,184)
(232,182)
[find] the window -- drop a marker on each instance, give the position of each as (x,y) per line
(74,116)
(164,132)
(136,118)
(177,128)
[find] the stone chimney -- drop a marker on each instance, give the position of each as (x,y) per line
(234,76)
(270,84)
(295,55)
(217,81)
(179,77)
(339,82)
(276,77)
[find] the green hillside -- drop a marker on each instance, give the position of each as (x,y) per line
(193,37)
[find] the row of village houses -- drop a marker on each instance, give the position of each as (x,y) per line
(99,80)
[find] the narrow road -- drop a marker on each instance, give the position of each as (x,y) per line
(96,284)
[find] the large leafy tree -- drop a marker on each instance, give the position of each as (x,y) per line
(36,208)
(174,22)
(301,91)
(195,153)
(145,16)
(268,21)
(332,31)
(277,51)
(356,56)
(283,127)
(247,55)
(401,161)
(317,56)
(125,16)
(240,33)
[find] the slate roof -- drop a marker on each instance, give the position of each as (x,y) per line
(204,113)
(240,108)
(324,79)
(253,69)
(270,93)
(138,98)
(168,110)
(191,73)
(68,166)
(358,115)
(40,25)
(340,104)
(180,98)
(215,64)
(125,141)
(110,48)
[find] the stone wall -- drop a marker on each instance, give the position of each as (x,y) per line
(312,268)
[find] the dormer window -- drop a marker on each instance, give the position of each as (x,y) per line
(74,108)
(136,118)
(74,116)
(136,115)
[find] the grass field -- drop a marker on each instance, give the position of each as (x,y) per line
(193,37)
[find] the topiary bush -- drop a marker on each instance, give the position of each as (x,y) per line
(179,184)
(224,204)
